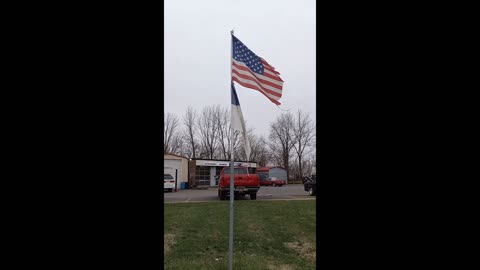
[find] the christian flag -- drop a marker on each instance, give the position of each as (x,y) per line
(237,121)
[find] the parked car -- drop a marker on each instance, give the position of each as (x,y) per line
(272,181)
(277,182)
(310,184)
(168,182)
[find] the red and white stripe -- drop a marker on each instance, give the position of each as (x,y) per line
(269,84)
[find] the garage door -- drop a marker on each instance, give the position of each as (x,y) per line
(170,165)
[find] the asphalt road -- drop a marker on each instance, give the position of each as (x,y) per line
(287,192)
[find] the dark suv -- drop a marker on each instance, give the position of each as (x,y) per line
(310,184)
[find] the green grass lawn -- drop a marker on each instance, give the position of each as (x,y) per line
(278,235)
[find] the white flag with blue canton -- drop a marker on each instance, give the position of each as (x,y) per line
(237,121)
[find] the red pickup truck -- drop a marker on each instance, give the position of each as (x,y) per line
(243,183)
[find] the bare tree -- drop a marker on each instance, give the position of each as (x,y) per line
(303,131)
(293,167)
(225,136)
(237,146)
(241,154)
(224,132)
(309,164)
(281,139)
(189,120)
(258,150)
(254,146)
(262,152)
(177,142)
(275,156)
(184,147)
(208,135)
(170,132)
(208,129)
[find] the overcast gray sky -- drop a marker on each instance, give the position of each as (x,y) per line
(198,52)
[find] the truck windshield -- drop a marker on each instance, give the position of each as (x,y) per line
(236,171)
(167,176)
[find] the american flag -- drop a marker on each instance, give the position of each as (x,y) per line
(252,71)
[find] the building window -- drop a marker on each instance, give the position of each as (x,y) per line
(202,175)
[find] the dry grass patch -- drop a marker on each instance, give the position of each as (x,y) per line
(168,242)
(255,227)
(305,249)
(272,266)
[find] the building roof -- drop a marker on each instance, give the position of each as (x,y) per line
(174,155)
(269,168)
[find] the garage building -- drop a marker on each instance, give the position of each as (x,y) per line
(177,166)
(202,172)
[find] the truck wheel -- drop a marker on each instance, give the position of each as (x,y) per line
(253,196)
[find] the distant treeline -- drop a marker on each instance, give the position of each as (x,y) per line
(291,142)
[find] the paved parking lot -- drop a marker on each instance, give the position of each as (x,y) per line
(287,192)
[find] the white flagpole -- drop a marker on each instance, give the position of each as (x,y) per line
(230,235)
